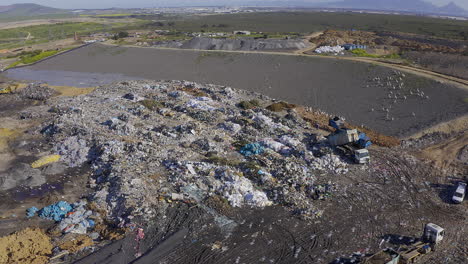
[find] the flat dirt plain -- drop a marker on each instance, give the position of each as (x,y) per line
(346,88)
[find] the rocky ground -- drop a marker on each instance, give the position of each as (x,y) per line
(181,172)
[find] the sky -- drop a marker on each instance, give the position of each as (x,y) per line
(154,3)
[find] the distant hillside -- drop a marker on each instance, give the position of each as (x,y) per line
(417,6)
(24,10)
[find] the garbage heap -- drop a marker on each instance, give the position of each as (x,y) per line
(148,141)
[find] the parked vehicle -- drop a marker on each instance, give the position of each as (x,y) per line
(460,192)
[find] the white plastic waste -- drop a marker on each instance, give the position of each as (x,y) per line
(329,49)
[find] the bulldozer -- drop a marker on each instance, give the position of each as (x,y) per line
(431,237)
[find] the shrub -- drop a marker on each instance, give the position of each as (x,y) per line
(248,104)
(278,107)
(151,104)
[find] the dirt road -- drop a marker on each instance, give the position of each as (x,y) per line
(311,46)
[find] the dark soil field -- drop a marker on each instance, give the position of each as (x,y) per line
(335,86)
(450,64)
(306,22)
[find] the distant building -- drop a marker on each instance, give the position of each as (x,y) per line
(353,46)
(242,32)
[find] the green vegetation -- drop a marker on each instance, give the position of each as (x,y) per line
(363,53)
(34,17)
(151,104)
(51,32)
(33,57)
(111,15)
(16,37)
(304,22)
(280,106)
(249,104)
(213,158)
(120,35)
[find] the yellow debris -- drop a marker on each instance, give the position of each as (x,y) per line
(29,246)
(72,91)
(8,89)
(6,135)
(45,160)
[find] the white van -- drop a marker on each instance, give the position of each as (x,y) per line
(459,194)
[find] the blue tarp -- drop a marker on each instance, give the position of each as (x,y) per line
(252,149)
(55,211)
(31,211)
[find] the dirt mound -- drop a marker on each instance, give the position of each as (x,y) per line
(77,243)
(26,246)
(335,37)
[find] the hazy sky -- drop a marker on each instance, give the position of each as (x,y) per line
(153,3)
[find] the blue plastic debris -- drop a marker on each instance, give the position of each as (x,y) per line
(91,223)
(252,149)
(364,141)
(55,211)
(30,212)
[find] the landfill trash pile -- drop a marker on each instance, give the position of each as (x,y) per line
(158,138)
(203,43)
(71,218)
(36,91)
(329,49)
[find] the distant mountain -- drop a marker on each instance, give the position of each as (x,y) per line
(417,6)
(28,10)
(452,8)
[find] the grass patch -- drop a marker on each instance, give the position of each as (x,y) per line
(151,104)
(32,58)
(249,104)
(363,53)
(278,107)
(240,144)
(212,158)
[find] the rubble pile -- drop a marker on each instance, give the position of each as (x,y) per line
(37,91)
(160,139)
